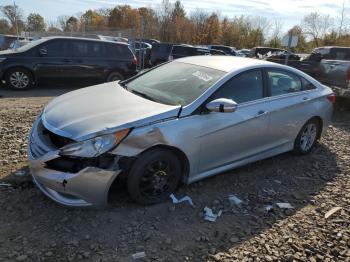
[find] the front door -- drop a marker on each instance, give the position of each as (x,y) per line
(230,137)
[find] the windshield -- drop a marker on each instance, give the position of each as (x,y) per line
(175,83)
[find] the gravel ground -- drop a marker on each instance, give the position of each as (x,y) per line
(33,228)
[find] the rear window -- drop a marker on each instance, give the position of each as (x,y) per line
(118,51)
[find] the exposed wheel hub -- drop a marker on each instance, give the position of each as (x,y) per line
(308,136)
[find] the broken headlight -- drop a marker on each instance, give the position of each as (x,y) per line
(95,146)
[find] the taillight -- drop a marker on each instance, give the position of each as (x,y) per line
(331,98)
(134,61)
(348,78)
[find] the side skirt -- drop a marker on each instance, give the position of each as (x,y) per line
(263,155)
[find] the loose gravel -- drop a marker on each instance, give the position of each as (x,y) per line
(33,228)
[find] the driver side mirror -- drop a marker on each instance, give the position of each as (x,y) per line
(222,105)
(43,51)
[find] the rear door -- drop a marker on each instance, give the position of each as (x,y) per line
(229,137)
(52,60)
(87,59)
(292,102)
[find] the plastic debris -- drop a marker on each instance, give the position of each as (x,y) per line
(284,205)
(234,200)
(332,211)
(5,185)
(138,255)
(177,201)
(210,216)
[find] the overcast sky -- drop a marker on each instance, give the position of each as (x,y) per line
(290,12)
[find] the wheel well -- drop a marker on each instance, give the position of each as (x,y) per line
(127,162)
(320,125)
(20,67)
(115,71)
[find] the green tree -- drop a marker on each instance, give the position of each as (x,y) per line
(72,24)
(92,20)
(35,22)
(179,10)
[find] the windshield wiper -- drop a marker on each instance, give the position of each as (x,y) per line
(122,84)
(143,95)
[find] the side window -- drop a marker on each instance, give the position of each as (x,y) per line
(341,54)
(96,50)
(54,48)
(245,87)
(281,82)
(80,49)
(306,85)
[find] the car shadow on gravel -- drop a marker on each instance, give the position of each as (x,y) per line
(129,227)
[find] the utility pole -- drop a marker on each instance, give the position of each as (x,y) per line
(14,5)
(288,47)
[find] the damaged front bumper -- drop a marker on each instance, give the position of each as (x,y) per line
(88,187)
(70,182)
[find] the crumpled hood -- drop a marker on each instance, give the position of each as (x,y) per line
(101,109)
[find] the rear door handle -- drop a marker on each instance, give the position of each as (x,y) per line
(306,98)
(67,60)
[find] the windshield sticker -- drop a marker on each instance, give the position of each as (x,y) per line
(202,76)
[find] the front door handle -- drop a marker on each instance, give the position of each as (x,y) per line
(261,112)
(67,60)
(306,98)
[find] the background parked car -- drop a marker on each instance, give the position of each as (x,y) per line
(263,51)
(243,52)
(160,53)
(330,65)
(66,59)
(227,49)
(145,48)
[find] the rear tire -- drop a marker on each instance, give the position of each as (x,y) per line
(307,137)
(19,78)
(154,176)
(114,76)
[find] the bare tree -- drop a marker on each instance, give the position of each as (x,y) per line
(62,21)
(164,13)
(276,33)
(14,15)
(317,25)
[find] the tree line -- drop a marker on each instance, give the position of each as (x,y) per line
(169,22)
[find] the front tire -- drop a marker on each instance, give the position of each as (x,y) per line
(19,79)
(307,137)
(154,176)
(114,76)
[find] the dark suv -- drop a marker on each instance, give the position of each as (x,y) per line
(66,59)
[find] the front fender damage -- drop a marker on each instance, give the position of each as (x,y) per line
(139,141)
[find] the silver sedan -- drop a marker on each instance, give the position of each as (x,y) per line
(182,121)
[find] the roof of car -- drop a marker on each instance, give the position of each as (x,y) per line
(82,38)
(224,63)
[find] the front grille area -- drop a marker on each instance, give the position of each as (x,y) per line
(42,141)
